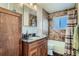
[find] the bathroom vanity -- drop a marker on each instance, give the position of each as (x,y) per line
(35,46)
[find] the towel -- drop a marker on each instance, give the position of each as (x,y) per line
(75,43)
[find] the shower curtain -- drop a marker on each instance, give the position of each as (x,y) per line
(72,22)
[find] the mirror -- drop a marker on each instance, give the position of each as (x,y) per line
(32,20)
(30,17)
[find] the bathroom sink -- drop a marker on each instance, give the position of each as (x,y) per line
(33,38)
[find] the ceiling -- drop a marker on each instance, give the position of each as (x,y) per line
(53,7)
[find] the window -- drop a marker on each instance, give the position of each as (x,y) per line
(60,23)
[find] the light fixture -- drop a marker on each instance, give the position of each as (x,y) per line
(31,4)
(35,7)
(21,4)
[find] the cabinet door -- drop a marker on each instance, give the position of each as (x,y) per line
(25,48)
(9,34)
(42,49)
(33,52)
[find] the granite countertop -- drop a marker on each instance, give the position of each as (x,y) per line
(32,39)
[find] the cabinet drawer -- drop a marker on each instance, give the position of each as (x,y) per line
(41,42)
(36,44)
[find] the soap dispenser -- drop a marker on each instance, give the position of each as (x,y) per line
(26,35)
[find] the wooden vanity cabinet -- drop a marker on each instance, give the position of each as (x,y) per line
(36,48)
(42,48)
(10,33)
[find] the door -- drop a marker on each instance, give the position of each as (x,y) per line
(9,34)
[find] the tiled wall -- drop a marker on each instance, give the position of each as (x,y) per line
(56,34)
(29,30)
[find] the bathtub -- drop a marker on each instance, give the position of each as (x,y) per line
(56,46)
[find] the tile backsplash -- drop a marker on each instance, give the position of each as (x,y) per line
(28,29)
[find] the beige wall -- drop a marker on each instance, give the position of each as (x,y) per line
(12,6)
(39,20)
(78,12)
(42,21)
(19,9)
(45,22)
